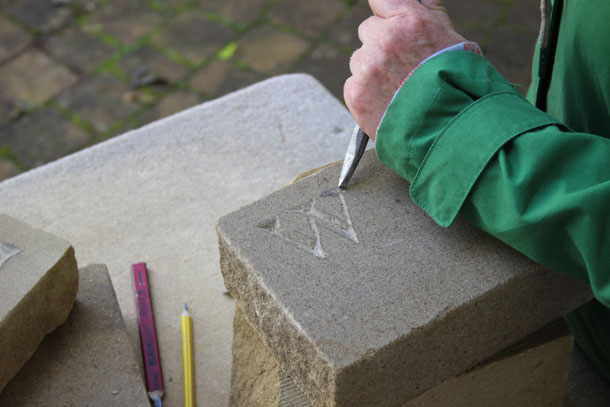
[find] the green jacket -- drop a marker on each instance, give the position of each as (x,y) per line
(539,181)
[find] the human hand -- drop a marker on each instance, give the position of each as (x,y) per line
(399,36)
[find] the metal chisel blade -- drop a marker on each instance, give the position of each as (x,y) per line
(355,149)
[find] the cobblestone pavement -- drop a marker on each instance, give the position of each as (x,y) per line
(76,72)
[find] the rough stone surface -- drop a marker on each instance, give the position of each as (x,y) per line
(530,373)
(155,194)
(32,78)
(270,51)
(38,283)
(255,374)
(374,310)
(86,361)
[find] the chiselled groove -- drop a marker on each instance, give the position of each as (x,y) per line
(299,227)
(7,250)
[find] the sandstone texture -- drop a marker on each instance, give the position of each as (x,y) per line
(38,284)
(364,300)
(532,372)
(155,194)
(88,361)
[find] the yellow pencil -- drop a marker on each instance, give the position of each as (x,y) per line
(187,358)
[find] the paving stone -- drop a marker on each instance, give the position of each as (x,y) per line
(238,10)
(42,16)
(12,39)
(532,372)
(186,170)
(345,31)
(42,136)
(7,169)
(310,17)
(86,361)
(32,78)
(126,21)
(221,77)
(366,309)
(270,51)
(149,65)
(193,36)
(102,100)
(38,283)
(330,66)
(78,49)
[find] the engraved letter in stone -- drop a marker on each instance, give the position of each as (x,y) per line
(7,250)
(299,226)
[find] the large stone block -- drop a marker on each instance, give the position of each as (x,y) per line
(532,372)
(87,361)
(38,284)
(364,300)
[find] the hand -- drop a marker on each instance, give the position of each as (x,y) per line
(400,35)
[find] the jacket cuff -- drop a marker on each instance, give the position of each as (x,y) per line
(446,123)
(462,150)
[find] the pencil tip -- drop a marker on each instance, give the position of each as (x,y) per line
(185,307)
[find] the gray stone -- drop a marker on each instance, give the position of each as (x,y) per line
(155,194)
(531,372)
(86,361)
(38,283)
(364,300)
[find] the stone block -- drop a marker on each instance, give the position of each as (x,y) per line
(38,283)
(89,360)
(364,300)
(186,171)
(531,372)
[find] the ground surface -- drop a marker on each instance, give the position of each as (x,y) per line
(76,72)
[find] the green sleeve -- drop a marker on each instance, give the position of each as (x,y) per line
(469,143)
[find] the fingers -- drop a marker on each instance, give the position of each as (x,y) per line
(368,28)
(390,8)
